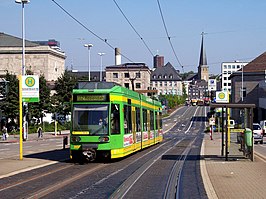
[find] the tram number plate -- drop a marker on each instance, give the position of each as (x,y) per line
(89,146)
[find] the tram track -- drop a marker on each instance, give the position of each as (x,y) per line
(173,182)
(159,168)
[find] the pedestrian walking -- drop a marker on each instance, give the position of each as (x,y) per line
(4,135)
(39,131)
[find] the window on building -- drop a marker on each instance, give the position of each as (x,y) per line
(238,66)
(233,67)
(229,84)
(171,76)
(115,75)
(225,66)
(160,76)
(225,78)
(126,75)
(138,85)
(161,83)
(138,75)
(127,85)
(225,84)
(165,83)
(165,76)
(229,66)
(154,76)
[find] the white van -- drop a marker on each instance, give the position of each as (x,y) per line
(263,126)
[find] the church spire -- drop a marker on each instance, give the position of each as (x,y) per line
(203,58)
(203,69)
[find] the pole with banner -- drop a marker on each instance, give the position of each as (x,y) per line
(28,92)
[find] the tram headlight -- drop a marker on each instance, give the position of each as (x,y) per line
(104,139)
(75,138)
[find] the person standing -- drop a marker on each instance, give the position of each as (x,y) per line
(4,131)
(39,131)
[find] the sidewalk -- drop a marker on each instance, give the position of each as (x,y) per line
(236,178)
(34,136)
(11,166)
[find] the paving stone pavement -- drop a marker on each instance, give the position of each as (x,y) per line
(236,178)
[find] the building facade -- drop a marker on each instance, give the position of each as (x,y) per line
(166,80)
(227,69)
(40,58)
(251,88)
(135,76)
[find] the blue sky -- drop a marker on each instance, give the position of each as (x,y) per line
(236,29)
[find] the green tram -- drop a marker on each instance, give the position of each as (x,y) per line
(110,121)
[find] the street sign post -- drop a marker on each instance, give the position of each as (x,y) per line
(30,88)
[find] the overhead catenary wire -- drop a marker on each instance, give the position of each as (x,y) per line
(132,79)
(80,23)
(100,38)
(168,36)
(133,27)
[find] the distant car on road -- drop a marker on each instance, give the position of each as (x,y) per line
(257,133)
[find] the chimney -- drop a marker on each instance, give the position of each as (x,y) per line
(158,61)
(117,56)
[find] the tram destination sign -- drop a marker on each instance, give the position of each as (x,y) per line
(90,98)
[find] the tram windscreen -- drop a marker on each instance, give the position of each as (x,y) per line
(91,117)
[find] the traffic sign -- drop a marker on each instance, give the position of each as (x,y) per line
(30,88)
(212,85)
(222,97)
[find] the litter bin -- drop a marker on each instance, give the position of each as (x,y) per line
(248,137)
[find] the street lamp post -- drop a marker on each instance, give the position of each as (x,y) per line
(89,59)
(101,54)
(242,84)
(22,105)
(23,2)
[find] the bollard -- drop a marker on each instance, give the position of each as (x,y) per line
(64,142)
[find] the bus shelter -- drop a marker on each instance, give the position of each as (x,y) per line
(246,129)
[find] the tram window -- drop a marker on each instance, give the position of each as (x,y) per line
(138,119)
(88,117)
(145,126)
(152,120)
(161,120)
(115,119)
(127,119)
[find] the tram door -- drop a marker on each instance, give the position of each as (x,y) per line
(133,117)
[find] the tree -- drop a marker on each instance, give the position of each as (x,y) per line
(10,105)
(63,87)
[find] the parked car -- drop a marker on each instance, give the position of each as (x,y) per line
(263,126)
(257,133)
